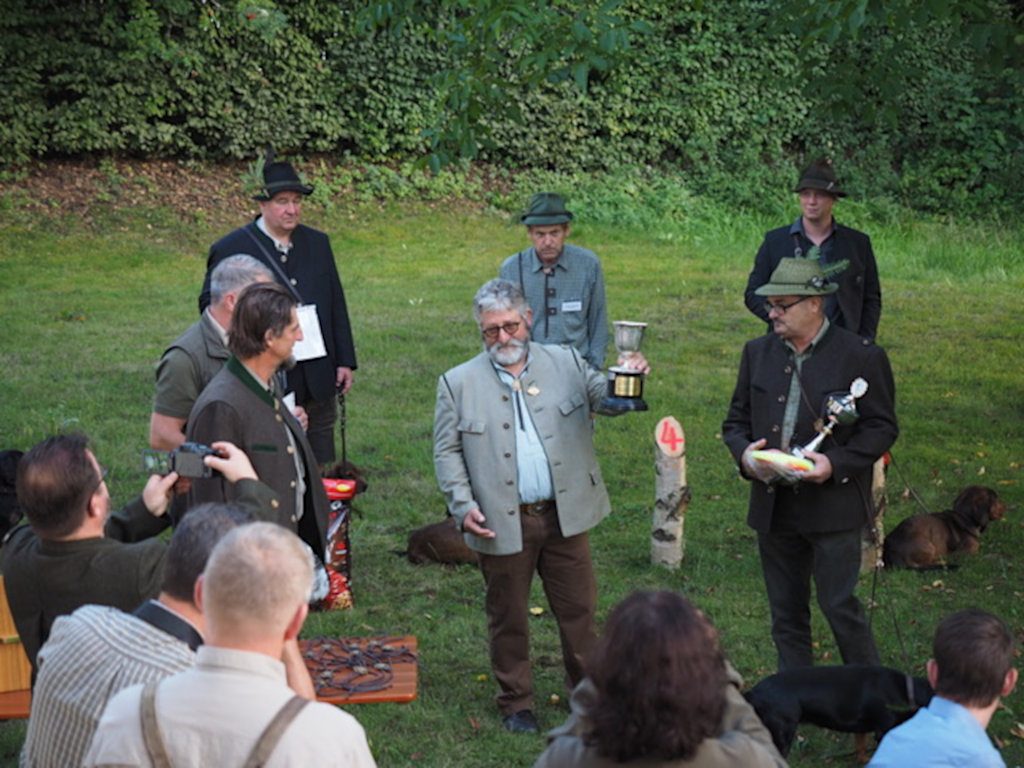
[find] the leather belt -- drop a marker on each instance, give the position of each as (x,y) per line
(537,508)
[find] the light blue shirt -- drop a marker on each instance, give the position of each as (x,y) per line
(944,735)
(532,471)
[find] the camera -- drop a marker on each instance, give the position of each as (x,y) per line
(186,460)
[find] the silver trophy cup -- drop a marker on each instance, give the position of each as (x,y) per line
(840,408)
(625,384)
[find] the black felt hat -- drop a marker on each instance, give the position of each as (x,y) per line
(280,177)
(820,175)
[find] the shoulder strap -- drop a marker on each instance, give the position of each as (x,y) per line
(151,736)
(281,276)
(522,285)
(274,731)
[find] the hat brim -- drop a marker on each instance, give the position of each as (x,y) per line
(268,192)
(822,186)
(544,220)
(794,289)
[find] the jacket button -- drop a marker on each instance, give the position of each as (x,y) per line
(782,398)
(504,398)
(292,484)
(290,449)
(775,427)
(788,369)
(275,503)
(508,455)
(284,258)
(294,281)
(511,511)
(508,482)
(505,425)
(771,490)
(278,417)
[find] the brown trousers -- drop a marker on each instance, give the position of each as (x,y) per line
(568,578)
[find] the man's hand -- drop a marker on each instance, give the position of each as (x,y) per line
(473,523)
(295,670)
(157,493)
(232,462)
(822,468)
(301,416)
(343,379)
(755,469)
(636,362)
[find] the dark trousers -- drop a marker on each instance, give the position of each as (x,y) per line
(568,577)
(788,560)
(320,432)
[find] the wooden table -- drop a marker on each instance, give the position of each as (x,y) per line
(344,672)
(398,684)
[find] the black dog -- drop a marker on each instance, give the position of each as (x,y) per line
(924,541)
(854,698)
(10,511)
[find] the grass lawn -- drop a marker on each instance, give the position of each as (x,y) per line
(87,308)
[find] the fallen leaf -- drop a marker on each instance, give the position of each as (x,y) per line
(555,698)
(536,610)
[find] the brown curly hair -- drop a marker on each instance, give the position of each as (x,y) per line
(660,679)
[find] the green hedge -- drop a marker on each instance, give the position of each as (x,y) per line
(711,95)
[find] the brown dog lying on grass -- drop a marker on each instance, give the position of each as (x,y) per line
(924,541)
(439,543)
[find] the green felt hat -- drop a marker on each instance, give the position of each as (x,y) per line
(797,277)
(546,208)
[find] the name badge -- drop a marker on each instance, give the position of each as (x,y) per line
(572,306)
(312,344)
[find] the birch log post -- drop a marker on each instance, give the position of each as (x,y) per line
(671,492)
(874,532)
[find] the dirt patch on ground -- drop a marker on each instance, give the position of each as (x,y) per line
(85,190)
(82,188)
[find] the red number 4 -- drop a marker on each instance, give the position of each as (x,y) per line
(670,435)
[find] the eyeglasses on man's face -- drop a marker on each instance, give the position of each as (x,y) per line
(781,308)
(491,333)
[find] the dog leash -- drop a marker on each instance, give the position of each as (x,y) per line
(878,567)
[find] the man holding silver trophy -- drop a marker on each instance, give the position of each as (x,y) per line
(812,411)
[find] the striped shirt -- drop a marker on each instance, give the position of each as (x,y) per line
(90,655)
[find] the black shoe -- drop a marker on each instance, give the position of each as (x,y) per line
(522,721)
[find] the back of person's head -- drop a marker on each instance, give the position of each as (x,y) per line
(194,539)
(973,651)
(660,679)
(261,307)
(56,479)
(234,273)
(258,576)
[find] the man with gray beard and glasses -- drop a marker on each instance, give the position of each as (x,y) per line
(514,456)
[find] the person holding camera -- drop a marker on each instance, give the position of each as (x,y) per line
(74,551)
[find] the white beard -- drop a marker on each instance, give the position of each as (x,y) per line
(510,353)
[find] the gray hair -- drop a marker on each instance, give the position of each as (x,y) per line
(499,295)
(234,273)
(257,577)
